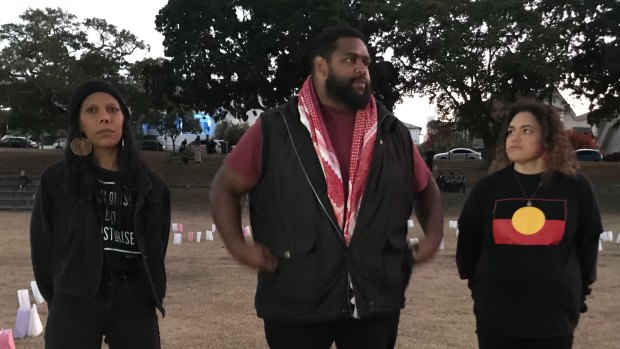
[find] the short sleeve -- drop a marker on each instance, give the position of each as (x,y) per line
(421,172)
(246,157)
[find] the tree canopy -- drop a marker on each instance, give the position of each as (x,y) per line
(44,57)
(596,67)
(474,57)
(228,56)
(244,54)
(470,57)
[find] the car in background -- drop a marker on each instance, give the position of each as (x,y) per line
(459,154)
(150,144)
(17,142)
(58,143)
(221,147)
(588,155)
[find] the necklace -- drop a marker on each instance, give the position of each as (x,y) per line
(529,200)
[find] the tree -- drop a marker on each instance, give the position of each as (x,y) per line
(443,136)
(580,140)
(596,72)
(241,54)
(45,56)
(171,125)
(474,57)
(230,132)
(161,104)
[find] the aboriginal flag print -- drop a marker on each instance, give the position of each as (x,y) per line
(516,223)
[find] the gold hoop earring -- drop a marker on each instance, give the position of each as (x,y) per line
(81,146)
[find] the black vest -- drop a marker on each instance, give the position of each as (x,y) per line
(295,221)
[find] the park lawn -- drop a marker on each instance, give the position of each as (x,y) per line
(210,297)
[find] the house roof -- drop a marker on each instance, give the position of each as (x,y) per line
(582,117)
(410,126)
(568,109)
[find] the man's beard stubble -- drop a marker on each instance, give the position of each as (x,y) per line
(342,90)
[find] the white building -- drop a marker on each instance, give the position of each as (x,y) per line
(414,131)
(608,136)
(569,118)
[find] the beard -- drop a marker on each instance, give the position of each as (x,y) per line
(342,90)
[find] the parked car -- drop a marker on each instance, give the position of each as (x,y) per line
(221,147)
(17,142)
(60,143)
(459,154)
(150,144)
(588,155)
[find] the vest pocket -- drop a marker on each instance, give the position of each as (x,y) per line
(295,279)
(389,268)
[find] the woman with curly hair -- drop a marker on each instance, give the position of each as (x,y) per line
(528,236)
(99,231)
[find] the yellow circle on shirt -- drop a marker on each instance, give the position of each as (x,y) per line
(528,220)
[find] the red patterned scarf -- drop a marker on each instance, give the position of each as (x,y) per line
(364,135)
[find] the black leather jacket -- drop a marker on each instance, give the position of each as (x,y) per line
(66,244)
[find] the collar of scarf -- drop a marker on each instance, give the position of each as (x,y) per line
(362,147)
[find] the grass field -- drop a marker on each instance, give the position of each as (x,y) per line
(210,297)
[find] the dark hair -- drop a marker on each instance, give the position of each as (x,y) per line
(325,43)
(559,152)
(80,180)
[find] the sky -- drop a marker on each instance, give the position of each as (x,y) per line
(139,18)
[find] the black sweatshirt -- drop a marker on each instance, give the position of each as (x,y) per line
(529,268)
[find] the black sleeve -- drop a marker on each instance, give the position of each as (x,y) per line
(589,228)
(470,225)
(41,243)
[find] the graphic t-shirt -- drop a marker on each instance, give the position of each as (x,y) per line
(529,251)
(116,210)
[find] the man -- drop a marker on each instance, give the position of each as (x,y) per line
(333,177)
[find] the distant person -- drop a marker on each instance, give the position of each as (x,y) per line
(450,182)
(441,181)
(460,183)
(23,180)
(197,151)
(333,177)
(183,146)
(430,155)
(528,236)
(183,149)
(211,146)
(99,231)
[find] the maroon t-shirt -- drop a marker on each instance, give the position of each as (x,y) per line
(246,158)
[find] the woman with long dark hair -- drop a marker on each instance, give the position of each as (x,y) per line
(99,231)
(528,236)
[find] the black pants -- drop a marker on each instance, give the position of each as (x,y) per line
(375,333)
(490,339)
(122,312)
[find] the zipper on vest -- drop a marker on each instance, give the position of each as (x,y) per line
(316,194)
(379,135)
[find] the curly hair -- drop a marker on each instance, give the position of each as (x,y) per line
(559,156)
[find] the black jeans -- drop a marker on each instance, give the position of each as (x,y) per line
(490,339)
(122,311)
(378,332)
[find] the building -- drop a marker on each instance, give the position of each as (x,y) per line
(608,136)
(577,123)
(414,131)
